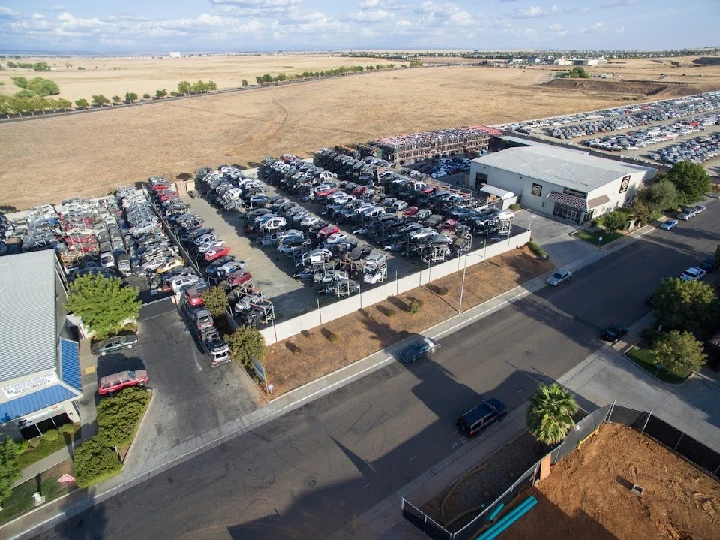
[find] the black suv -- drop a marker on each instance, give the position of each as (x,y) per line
(477,420)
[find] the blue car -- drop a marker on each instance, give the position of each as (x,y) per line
(669,224)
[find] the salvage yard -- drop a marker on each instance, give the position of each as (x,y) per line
(317,352)
(587,495)
(246,127)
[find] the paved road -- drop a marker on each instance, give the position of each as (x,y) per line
(311,471)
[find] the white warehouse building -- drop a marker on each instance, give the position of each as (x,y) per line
(570,184)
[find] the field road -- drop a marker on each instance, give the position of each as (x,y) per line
(310,472)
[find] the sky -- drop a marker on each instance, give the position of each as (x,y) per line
(161,26)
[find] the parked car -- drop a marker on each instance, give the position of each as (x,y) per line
(700,208)
(419,349)
(669,224)
(709,264)
(693,274)
(202,318)
(684,216)
(238,278)
(614,333)
(114,343)
(478,419)
(216,253)
(559,277)
(112,384)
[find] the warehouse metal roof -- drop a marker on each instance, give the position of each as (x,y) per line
(561,166)
(27,314)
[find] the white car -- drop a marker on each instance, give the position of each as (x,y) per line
(336,238)
(559,277)
(669,224)
(693,274)
(107,260)
(419,234)
(202,248)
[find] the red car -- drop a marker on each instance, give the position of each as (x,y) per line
(238,278)
(192,297)
(412,211)
(325,192)
(216,252)
(112,384)
(450,225)
(327,231)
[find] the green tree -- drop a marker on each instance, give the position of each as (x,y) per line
(614,221)
(244,82)
(100,100)
(160,93)
(94,460)
(116,99)
(691,180)
(184,87)
(215,300)
(281,77)
(146,96)
(9,469)
(82,103)
(690,306)
(259,80)
(43,87)
(679,353)
(41,66)
(579,72)
(211,85)
(131,97)
(550,413)
(64,104)
(20,82)
(25,93)
(102,303)
(247,343)
(661,195)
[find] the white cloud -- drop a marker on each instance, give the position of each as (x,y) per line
(619,3)
(372,16)
(597,26)
(255,8)
(620,30)
(559,30)
(386,5)
(536,12)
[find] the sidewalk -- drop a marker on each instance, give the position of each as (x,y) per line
(78,501)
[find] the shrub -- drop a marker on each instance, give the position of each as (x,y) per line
(21,447)
(537,250)
(118,416)
(442,291)
(515,206)
(650,335)
(52,435)
(615,220)
(95,461)
(414,307)
(390,312)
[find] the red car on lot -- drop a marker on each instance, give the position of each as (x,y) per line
(238,278)
(216,252)
(412,211)
(327,231)
(192,297)
(112,384)
(324,193)
(358,191)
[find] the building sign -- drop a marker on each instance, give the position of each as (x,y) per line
(575,193)
(259,369)
(29,385)
(624,184)
(537,190)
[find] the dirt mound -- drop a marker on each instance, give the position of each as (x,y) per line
(644,88)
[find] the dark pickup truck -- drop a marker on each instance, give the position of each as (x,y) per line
(477,420)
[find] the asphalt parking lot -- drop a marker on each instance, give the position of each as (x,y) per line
(189,396)
(553,234)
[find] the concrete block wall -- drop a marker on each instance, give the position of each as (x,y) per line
(325,314)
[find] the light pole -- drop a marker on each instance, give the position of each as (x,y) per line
(462,286)
(599,242)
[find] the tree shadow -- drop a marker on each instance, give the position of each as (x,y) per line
(398,303)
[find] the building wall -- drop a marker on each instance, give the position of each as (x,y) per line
(617,197)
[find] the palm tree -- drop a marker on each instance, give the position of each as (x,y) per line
(550,413)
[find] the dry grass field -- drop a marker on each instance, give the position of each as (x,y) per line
(46,160)
(111,76)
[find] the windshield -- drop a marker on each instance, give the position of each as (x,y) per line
(557,275)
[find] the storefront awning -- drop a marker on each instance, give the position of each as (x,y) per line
(569,200)
(16,408)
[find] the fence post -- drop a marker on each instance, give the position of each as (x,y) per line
(610,411)
(646,421)
(682,434)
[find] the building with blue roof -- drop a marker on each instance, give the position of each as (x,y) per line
(39,356)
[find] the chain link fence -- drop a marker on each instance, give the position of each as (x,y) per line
(645,422)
